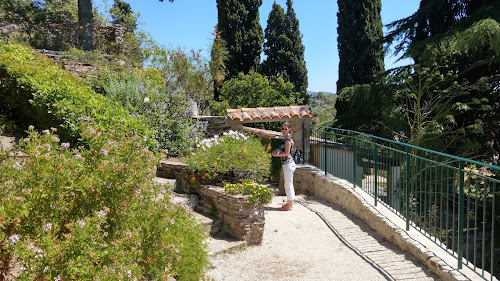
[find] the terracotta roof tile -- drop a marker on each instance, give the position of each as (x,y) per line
(256,116)
(245,116)
(271,113)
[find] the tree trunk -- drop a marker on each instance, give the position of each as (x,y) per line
(85,24)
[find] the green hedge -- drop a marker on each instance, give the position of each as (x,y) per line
(35,91)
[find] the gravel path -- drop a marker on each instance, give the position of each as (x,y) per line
(317,241)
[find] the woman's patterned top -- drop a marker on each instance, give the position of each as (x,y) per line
(289,158)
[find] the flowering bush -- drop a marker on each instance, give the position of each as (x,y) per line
(232,153)
(81,213)
(257,193)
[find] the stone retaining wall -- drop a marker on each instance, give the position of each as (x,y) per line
(243,221)
(311,180)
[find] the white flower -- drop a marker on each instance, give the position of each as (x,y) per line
(17,166)
(47,227)
(46,132)
(14,238)
(57,278)
(31,127)
(65,144)
(146,99)
(81,223)
(101,214)
(129,274)
(104,151)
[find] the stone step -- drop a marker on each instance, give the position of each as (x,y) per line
(217,243)
(167,184)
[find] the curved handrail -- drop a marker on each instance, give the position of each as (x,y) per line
(411,146)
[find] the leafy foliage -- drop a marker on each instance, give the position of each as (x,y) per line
(35,91)
(323,107)
(363,108)
(257,193)
(232,153)
(70,212)
(253,90)
(44,24)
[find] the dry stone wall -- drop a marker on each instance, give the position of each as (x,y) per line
(243,221)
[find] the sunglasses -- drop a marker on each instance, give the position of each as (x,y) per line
(285,129)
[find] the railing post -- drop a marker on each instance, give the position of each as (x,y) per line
(324,145)
(303,144)
(376,169)
(408,182)
(354,161)
(461,215)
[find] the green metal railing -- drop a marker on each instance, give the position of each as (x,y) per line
(451,200)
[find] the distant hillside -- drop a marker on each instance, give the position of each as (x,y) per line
(324,92)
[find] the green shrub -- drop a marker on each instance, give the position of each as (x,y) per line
(232,153)
(92,213)
(257,193)
(35,91)
(255,90)
(272,144)
(167,113)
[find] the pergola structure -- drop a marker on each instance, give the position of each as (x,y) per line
(295,114)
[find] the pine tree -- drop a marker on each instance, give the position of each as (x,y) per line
(238,23)
(359,42)
(284,49)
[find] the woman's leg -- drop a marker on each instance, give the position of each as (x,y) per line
(288,170)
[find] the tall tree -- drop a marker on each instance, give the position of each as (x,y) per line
(284,49)
(359,42)
(85,21)
(276,44)
(121,13)
(296,69)
(238,23)
(469,48)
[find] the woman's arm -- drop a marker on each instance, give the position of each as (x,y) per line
(288,146)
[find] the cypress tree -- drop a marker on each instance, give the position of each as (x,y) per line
(238,23)
(297,71)
(359,42)
(275,45)
(284,49)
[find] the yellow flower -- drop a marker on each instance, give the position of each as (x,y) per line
(215,163)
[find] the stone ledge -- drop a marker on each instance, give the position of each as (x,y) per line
(311,180)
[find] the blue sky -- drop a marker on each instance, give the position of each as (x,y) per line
(189,23)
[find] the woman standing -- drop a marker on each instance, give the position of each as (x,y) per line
(285,152)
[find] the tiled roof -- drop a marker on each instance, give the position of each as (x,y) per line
(269,113)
